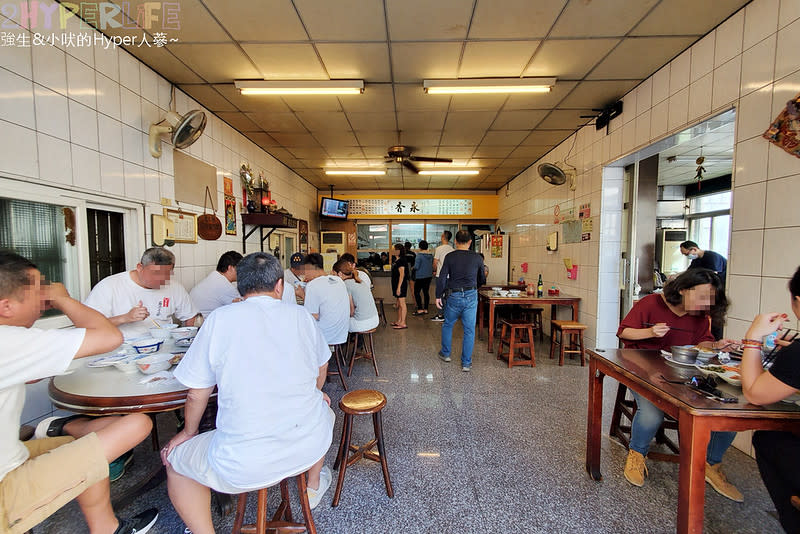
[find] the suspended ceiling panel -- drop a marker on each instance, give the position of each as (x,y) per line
(597,50)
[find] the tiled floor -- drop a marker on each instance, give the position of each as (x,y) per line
(507,456)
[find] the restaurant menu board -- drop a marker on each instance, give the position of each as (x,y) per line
(415,206)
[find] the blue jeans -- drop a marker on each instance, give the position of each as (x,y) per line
(460,305)
(648,419)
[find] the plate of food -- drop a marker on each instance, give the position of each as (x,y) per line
(728,373)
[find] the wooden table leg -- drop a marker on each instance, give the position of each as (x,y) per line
(480,315)
(594,421)
(574,311)
(694,437)
(490,336)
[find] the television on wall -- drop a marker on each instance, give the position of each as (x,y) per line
(333,208)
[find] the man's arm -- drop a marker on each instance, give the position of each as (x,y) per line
(135,314)
(323,373)
(101,334)
(190,322)
(196,402)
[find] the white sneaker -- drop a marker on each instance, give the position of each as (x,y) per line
(315,495)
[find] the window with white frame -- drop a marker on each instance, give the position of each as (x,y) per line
(710,221)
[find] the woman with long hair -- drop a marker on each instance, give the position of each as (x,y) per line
(400,285)
(681,315)
(777,452)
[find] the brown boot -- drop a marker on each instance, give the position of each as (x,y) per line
(635,468)
(717,479)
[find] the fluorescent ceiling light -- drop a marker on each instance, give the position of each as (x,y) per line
(300,87)
(356,173)
(450,172)
(489,85)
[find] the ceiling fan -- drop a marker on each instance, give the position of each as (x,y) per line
(403,155)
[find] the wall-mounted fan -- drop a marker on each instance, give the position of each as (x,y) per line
(403,155)
(183,129)
(555,175)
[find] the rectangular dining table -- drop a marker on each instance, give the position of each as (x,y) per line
(488,299)
(697,416)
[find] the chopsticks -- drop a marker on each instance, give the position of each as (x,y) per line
(671,327)
(155,323)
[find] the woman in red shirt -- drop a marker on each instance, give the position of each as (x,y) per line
(680,316)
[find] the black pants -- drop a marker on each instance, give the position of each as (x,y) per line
(778,458)
(421,289)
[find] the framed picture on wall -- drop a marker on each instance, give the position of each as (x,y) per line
(302,230)
(230,215)
(185,225)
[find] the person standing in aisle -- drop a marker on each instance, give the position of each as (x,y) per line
(438,258)
(423,268)
(459,277)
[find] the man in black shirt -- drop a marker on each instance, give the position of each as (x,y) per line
(704,259)
(459,278)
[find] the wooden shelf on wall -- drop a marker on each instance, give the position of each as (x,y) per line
(260,221)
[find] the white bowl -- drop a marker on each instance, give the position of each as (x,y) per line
(147,346)
(497,288)
(128,365)
(159,333)
(154,363)
(503,293)
(514,292)
(183,331)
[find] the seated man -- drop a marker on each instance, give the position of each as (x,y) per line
(327,300)
(217,288)
(136,300)
(292,279)
(363,275)
(268,362)
(40,476)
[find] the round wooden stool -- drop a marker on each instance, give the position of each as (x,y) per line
(338,356)
(369,350)
(361,402)
(517,334)
(574,331)
(282,519)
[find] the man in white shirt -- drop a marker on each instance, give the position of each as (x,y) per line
(268,362)
(136,300)
(39,476)
(438,259)
(327,300)
(363,275)
(292,279)
(217,289)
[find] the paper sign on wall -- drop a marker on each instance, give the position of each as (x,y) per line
(497,246)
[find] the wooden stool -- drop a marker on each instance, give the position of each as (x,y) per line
(282,519)
(361,402)
(622,431)
(381,310)
(369,350)
(338,356)
(571,329)
(533,315)
(512,333)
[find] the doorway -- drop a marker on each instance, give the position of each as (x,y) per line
(672,191)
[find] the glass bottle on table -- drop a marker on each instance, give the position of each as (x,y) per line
(540,287)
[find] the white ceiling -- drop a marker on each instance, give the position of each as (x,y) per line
(598,50)
(712,139)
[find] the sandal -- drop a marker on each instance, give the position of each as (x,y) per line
(398,327)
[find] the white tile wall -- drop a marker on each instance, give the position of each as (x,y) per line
(729,39)
(781,256)
(760,20)
(702,54)
(82,125)
(108,97)
(786,60)
(745,295)
(55,161)
(50,68)
(80,82)
(748,206)
(756,72)
(746,252)
(17,103)
(751,161)
(85,168)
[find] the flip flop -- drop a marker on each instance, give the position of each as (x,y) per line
(393,324)
(397,327)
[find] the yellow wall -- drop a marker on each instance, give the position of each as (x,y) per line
(483,206)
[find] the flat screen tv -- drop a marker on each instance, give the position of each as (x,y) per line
(333,208)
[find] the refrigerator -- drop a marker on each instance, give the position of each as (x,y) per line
(494,248)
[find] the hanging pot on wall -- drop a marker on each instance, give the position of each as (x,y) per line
(209,226)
